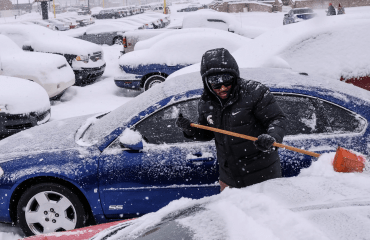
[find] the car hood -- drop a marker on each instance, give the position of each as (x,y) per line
(52,136)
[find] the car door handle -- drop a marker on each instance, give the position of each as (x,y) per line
(201,159)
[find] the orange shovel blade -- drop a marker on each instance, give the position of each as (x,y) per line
(345,161)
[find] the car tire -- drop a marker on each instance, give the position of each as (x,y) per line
(118,40)
(49,207)
(153,80)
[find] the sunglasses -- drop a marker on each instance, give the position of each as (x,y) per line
(217,81)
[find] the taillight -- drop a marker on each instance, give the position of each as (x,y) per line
(124,41)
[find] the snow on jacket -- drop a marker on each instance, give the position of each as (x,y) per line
(251,109)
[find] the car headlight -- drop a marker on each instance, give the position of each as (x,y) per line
(1,172)
(3,107)
(83,58)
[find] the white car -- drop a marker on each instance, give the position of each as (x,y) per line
(85,58)
(51,71)
(23,104)
(207,18)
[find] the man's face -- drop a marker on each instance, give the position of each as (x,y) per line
(221,84)
(223,92)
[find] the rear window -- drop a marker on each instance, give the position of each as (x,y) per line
(301,11)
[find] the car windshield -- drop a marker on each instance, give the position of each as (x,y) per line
(300,11)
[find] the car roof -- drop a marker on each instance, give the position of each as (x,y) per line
(191,85)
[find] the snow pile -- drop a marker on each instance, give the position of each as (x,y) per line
(130,137)
(45,40)
(164,48)
(22,96)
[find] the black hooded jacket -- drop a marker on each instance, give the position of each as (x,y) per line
(251,110)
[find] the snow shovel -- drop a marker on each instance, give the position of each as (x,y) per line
(344,160)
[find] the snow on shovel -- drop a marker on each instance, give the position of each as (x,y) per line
(344,160)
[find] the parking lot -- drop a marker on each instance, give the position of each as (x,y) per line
(102,95)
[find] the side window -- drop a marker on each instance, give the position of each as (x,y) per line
(161,128)
(342,120)
(303,116)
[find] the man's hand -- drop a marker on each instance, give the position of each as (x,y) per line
(264,142)
(183,123)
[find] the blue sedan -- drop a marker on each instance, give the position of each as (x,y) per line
(134,160)
(297,15)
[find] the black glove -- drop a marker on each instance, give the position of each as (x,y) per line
(264,142)
(183,123)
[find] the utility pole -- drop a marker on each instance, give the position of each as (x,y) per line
(54,9)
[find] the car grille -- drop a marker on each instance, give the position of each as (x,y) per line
(20,126)
(96,56)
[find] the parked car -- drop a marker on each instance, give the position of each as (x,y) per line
(315,204)
(157,57)
(130,38)
(58,25)
(121,164)
(42,23)
(71,22)
(107,14)
(84,11)
(298,15)
(86,59)
(191,8)
(52,72)
(109,34)
(23,104)
(207,18)
(82,21)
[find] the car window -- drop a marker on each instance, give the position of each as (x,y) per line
(341,120)
(161,128)
(303,116)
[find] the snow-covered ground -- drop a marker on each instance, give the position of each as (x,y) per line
(104,95)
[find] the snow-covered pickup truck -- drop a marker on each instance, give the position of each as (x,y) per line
(85,58)
(52,72)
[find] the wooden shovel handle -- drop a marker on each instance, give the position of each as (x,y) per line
(313,154)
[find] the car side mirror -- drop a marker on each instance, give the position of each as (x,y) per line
(285,15)
(27,48)
(84,33)
(131,139)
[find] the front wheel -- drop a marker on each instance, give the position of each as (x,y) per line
(49,207)
(152,81)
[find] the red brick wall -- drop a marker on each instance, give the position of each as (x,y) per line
(6,5)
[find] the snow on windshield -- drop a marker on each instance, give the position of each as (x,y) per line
(166,50)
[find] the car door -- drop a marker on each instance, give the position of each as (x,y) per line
(319,126)
(169,167)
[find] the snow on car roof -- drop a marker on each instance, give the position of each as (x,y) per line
(46,40)
(207,18)
(332,47)
(194,42)
(109,27)
(22,96)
